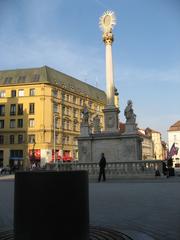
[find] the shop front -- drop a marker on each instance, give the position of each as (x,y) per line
(35,156)
(16,159)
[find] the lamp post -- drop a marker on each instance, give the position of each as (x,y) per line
(55,117)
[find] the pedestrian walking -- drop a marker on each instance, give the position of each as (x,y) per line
(102,166)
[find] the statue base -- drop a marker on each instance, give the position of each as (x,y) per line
(130,128)
(111,119)
(85,130)
(116,147)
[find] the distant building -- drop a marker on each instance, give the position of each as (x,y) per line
(40,107)
(147,143)
(174,137)
(157,143)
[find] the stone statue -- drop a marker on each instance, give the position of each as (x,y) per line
(96,124)
(129,113)
(85,113)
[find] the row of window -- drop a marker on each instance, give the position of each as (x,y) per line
(19,139)
(17,109)
(75,100)
(19,93)
(22,79)
(19,122)
(67,125)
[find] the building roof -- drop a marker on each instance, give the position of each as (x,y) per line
(50,76)
(175,126)
(151,130)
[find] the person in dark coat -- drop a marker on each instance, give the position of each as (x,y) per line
(102,166)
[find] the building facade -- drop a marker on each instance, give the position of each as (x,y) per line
(147,145)
(41,111)
(158,145)
(174,137)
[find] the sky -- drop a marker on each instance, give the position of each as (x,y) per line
(65,35)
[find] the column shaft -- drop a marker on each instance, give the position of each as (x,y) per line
(109,76)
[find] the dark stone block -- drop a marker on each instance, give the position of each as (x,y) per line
(51,205)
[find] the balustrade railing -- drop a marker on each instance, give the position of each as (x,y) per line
(113,169)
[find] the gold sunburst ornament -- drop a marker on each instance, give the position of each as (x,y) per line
(107,21)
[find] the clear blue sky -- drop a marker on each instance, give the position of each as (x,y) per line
(64,34)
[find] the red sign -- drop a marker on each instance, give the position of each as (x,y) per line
(36,155)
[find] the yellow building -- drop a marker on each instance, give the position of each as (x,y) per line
(40,109)
(158,146)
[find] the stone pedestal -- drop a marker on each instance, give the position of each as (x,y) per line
(111,120)
(115,146)
(130,128)
(85,130)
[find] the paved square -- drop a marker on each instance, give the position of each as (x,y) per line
(143,209)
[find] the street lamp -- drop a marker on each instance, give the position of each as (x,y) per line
(55,117)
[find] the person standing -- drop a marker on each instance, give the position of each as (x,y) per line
(102,166)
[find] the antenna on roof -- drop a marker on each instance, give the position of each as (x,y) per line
(96,81)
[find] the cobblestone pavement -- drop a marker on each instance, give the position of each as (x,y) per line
(143,209)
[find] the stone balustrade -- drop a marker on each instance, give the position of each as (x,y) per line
(141,168)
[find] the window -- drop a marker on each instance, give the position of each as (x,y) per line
(81,102)
(1,123)
(75,113)
(56,123)
(90,104)
(8,80)
(32,92)
(54,93)
(31,138)
(68,125)
(2,94)
(55,107)
(11,139)
(20,123)
(20,109)
(20,138)
(68,111)
(63,96)
(1,139)
(13,109)
(67,98)
(74,99)
(75,126)
(13,93)
(66,140)
(21,79)
(63,110)
(12,123)
(57,138)
(75,141)
(1,158)
(31,108)
(36,78)
(2,110)
(21,92)
(16,154)
(31,122)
